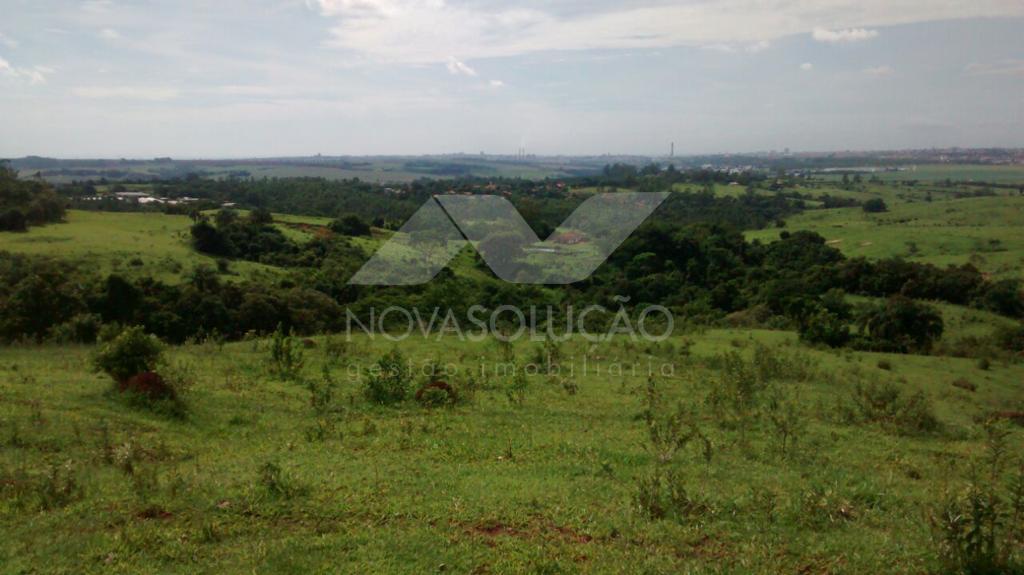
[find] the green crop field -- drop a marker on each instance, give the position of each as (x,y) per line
(546,478)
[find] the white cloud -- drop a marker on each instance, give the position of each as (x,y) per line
(806,66)
(758,47)
(879,71)
(843,36)
(35,75)
(147,93)
(430,31)
(110,34)
(459,68)
(496,84)
(752,48)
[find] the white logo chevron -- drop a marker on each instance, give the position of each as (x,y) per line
(445,225)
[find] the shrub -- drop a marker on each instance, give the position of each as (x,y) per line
(276,483)
(286,359)
(885,364)
(826,328)
(888,405)
(1011,338)
(436,394)
(388,380)
(900,325)
(350,225)
(663,495)
(875,205)
(980,530)
(81,328)
(130,353)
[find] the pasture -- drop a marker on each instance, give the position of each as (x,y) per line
(987,232)
(547,474)
(132,243)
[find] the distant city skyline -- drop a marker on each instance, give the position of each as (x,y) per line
(233,79)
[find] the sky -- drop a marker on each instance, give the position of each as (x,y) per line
(261,78)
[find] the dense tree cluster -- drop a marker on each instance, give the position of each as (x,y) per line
(25,203)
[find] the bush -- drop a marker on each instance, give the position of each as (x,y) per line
(980,530)
(900,325)
(875,206)
(1011,338)
(888,405)
(130,353)
(350,225)
(82,328)
(826,328)
(286,359)
(388,380)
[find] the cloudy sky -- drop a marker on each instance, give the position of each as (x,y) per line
(233,78)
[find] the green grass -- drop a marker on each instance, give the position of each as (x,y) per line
(108,242)
(988,232)
(487,486)
(958,172)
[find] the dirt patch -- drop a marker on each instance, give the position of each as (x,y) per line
(1016,417)
(149,384)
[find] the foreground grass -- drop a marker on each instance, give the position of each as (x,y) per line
(544,485)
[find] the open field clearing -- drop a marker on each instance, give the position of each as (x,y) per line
(138,243)
(988,232)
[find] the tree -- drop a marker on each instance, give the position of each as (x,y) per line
(350,225)
(875,206)
(13,220)
(901,325)
(261,216)
(209,240)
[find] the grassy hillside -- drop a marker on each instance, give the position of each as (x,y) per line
(988,232)
(542,479)
(149,243)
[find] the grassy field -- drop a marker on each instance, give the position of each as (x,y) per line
(543,479)
(147,243)
(988,232)
(957,172)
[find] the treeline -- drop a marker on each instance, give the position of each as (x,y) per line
(543,204)
(704,273)
(25,203)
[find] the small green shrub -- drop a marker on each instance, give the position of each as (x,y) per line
(276,483)
(388,380)
(130,353)
(286,357)
(663,495)
(517,386)
(980,531)
(890,406)
(82,328)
